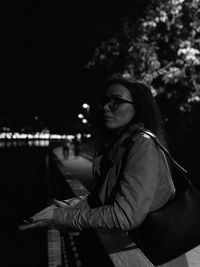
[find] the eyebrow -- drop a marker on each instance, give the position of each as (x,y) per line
(115,95)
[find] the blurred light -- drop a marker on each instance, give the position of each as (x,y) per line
(15,135)
(36,136)
(70,137)
(2,135)
(38,143)
(85,105)
(6,129)
(80,116)
(56,136)
(44,136)
(78,136)
(84,121)
(9,135)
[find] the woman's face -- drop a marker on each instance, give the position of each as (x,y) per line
(118,108)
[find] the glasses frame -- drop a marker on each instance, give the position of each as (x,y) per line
(120,101)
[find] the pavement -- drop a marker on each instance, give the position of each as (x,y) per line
(80,168)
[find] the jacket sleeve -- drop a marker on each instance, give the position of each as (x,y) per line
(133,199)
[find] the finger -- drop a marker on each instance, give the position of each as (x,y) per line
(23,227)
(27,221)
(61,203)
(40,224)
(43,212)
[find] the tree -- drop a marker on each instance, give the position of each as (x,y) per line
(162,48)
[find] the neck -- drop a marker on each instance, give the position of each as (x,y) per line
(113,135)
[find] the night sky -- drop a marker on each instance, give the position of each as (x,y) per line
(44,50)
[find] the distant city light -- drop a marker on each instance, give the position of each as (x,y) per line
(56,136)
(80,116)
(38,143)
(6,129)
(78,136)
(85,105)
(36,136)
(84,121)
(70,137)
(43,138)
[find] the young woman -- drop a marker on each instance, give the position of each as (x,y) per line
(132,173)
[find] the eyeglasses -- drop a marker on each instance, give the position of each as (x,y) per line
(113,103)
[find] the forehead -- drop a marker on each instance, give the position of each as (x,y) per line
(118,90)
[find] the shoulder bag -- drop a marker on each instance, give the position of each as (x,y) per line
(173,229)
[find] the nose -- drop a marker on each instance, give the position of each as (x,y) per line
(105,107)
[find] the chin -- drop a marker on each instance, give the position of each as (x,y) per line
(110,126)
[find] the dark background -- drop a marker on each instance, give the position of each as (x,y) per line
(44,50)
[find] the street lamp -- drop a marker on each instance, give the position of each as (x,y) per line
(80,116)
(86,106)
(84,116)
(84,121)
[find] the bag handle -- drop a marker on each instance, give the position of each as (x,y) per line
(154,137)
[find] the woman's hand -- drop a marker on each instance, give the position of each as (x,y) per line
(39,220)
(70,203)
(44,218)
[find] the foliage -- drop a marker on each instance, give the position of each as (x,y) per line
(162,49)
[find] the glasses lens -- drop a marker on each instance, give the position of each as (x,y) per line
(113,104)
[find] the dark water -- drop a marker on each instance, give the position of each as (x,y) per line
(23,192)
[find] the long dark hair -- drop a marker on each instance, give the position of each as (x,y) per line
(146,108)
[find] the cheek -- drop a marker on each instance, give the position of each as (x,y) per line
(127,114)
(123,117)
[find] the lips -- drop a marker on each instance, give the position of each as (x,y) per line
(108,117)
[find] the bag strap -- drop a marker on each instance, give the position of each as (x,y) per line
(154,137)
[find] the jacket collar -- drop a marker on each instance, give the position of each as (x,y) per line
(117,150)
